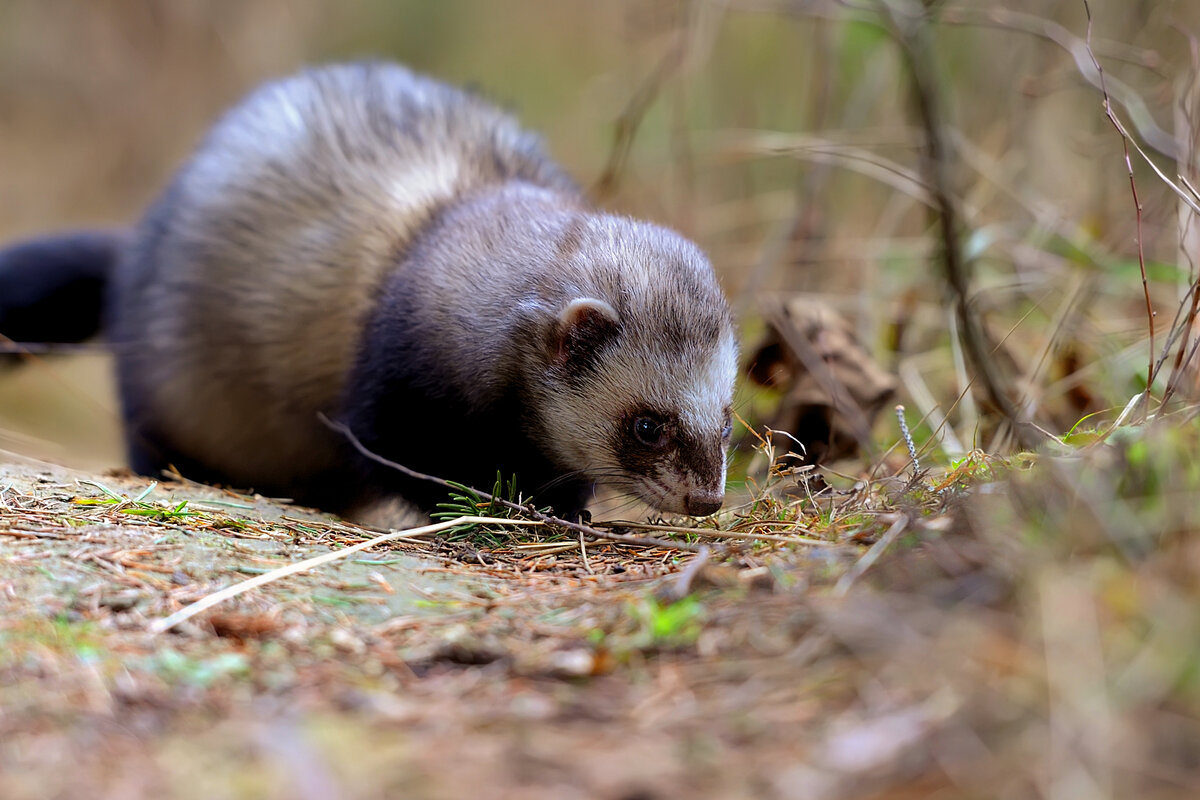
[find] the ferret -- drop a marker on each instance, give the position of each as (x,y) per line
(367,243)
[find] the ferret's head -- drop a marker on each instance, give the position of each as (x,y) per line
(642,360)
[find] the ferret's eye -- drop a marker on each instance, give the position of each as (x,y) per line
(727,431)
(649,431)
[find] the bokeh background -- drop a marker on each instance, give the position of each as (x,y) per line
(781,135)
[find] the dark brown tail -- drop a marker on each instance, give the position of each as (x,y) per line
(52,288)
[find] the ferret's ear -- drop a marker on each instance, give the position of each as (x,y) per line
(584,326)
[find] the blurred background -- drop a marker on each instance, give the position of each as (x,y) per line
(782,135)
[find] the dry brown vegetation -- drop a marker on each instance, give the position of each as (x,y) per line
(1018,618)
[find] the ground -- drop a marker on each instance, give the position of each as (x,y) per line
(524,668)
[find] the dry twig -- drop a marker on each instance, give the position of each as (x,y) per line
(913,35)
(526,510)
(1137,203)
(229,592)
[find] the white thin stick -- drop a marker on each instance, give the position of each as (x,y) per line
(1125,412)
(712,533)
(204,603)
(870,557)
(583,552)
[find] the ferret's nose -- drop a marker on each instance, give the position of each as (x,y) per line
(702,502)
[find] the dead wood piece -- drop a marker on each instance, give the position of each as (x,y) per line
(833,389)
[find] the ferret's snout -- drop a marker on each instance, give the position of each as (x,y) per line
(703,502)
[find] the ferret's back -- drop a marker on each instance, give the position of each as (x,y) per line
(253,273)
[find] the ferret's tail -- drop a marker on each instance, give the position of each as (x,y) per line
(52,288)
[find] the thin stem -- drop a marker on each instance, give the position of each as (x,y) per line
(916,45)
(1151,370)
(344,430)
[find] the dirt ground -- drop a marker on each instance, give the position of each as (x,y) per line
(519,668)
(389,675)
